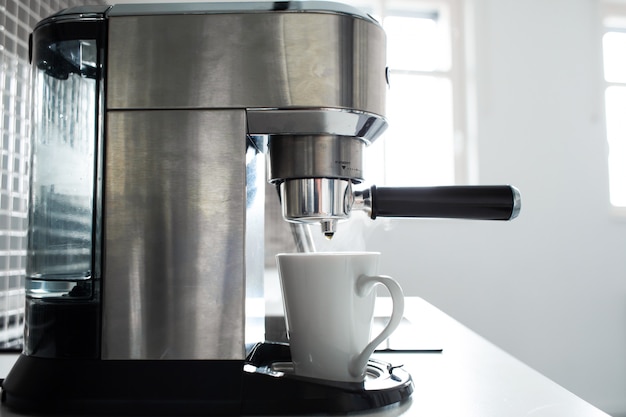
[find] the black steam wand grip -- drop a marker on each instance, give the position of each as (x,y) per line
(491,202)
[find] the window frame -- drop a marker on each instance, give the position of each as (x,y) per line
(452,13)
(616,12)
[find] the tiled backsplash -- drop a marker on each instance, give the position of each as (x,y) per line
(17,18)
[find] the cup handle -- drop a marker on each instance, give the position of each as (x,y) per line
(364,285)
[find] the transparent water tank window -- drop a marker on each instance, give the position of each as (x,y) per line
(64,126)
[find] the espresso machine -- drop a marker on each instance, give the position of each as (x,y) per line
(156,128)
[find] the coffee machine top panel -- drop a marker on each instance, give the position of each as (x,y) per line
(205,8)
(232,7)
(293,56)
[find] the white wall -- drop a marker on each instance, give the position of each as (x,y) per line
(549,287)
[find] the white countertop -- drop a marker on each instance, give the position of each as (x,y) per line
(469,377)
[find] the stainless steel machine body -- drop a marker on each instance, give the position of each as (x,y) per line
(184,93)
(190,98)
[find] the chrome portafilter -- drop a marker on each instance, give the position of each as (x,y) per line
(316,174)
(317,200)
(337,201)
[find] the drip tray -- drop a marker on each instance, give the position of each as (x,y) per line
(269,365)
(378,375)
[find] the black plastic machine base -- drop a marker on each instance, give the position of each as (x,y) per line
(263,384)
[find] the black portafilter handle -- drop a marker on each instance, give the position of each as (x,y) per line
(490,202)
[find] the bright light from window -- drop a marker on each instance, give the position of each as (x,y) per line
(615,57)
(421,131)
(616,137)
(418,147)
(614,44)
(416,44)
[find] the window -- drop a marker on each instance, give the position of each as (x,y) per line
(425,143)
(614,50)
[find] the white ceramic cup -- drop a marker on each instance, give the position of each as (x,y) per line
(329,306)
